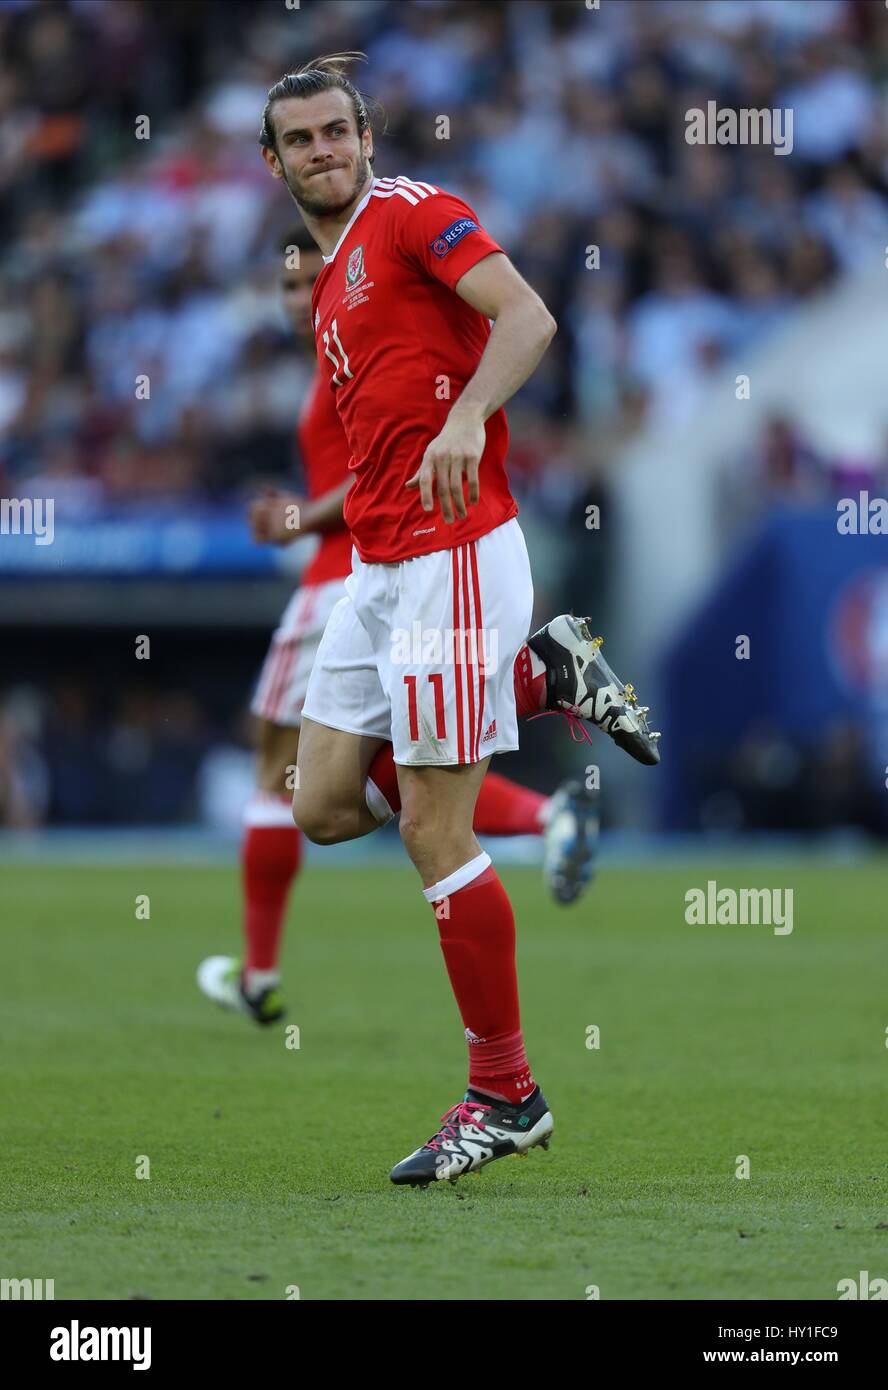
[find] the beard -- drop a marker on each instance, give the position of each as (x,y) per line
(331,205)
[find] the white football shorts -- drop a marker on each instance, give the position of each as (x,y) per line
(283,680)
(421,652)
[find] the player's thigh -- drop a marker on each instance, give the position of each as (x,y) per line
(277,749)
(332,769)
(344,690)
(440,798)
(345,720)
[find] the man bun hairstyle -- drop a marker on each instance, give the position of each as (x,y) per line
(319,75)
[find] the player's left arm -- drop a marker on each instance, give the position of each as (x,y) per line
(279,518)
(522,330)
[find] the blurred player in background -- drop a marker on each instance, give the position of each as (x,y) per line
(410,287)
(272,844)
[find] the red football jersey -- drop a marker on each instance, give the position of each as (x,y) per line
(324,450)
(398,346)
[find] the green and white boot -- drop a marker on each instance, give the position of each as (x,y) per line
(221,979)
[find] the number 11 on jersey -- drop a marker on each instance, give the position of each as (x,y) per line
(337,365)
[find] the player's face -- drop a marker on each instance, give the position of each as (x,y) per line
(296,288)
(319,154)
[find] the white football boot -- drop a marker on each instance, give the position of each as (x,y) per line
(580,683)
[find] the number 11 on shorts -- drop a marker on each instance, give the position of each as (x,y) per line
(437,682)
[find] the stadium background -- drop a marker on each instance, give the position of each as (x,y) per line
(718,514)
(124,257)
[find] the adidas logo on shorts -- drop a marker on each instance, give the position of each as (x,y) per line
(489,733)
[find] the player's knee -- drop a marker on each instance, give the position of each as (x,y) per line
(415,834)
(435,848)
(320,823)
(431,843)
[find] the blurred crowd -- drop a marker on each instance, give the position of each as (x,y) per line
(772,781)
(133,248)
(139,236)
(71,755)
(146,754)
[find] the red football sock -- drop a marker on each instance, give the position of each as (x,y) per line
(504,808)
(270,853)
(381,791)
(477,930)
(529,677)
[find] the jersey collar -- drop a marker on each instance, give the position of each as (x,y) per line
(355,215)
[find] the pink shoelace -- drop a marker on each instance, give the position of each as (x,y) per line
(463,1113)
(579,730)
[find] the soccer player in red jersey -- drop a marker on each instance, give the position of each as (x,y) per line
(271,851)
(402,315)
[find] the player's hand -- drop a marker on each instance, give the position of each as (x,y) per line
(274,517)
(456,451)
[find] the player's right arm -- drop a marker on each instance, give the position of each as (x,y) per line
(441,237)
(522,330)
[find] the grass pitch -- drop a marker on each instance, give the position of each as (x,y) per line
(269,1166)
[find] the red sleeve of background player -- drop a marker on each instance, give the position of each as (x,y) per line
(442,236)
